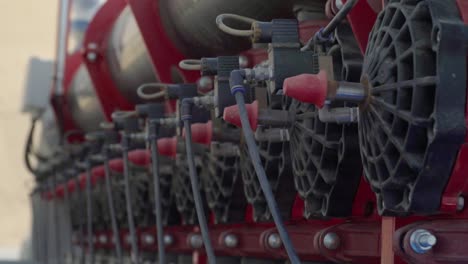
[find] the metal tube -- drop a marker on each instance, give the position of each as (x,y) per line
(152,126)
(89,213)
(128,202)
(349,92)
(340,115)
(110,202)
(61,46)
(68,206)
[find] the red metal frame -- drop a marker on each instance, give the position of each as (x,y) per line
(362,19)
(164,55)
(96,41)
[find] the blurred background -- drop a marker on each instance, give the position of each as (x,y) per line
(27,29)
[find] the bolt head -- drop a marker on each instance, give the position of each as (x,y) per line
(243,62)
(231,241)
(422,240)
(460,203)
(331,241)
(205,84)
(168,239)
(148,239)
(274,241)
(91,56)
(196,241)
(128,239)
(103,239)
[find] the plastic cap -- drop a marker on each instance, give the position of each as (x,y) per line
(202,133)
(307,88)
(167,146)
(231,115)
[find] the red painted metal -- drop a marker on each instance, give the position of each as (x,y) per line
(364,204)
(180,235)
(164,55)
(450,248)
(361,19)
(95,43)
(359,241)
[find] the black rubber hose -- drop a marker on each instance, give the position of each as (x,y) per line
(325,32)
(28,146)
(344,11)
(152,126)
(110,202)
(131,223)
(196,194)
(89,214)
(264,183)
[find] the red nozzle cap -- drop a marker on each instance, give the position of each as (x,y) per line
(116,165)
(307,88)
(231,115)
(71,185)
(60,191)
(202,133)
(98,173)
(167,146)
(82,180)
(139,157)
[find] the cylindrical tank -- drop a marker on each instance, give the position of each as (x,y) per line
(191,24)
(127,57)
(84,105)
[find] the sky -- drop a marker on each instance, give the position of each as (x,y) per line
(27,28)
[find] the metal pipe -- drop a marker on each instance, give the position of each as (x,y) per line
(89,213)
(128,202)
(348,92)
(152,138)
(66,198)
(62,33)
(110,202)
(340,115)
